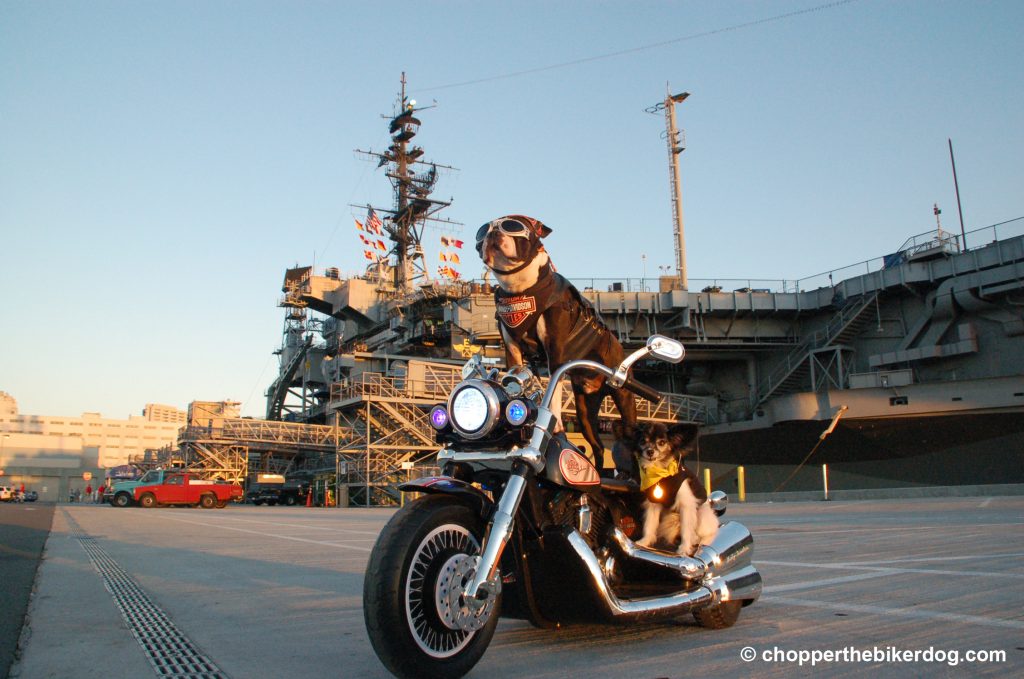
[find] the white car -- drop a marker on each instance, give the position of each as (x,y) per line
(7,494)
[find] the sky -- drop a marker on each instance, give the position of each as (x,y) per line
(163,163)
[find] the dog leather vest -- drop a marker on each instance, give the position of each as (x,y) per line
(518,313)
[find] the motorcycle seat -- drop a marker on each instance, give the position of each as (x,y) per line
(620,485)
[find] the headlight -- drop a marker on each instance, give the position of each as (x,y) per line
(517,412)
(439,417)
(474,407)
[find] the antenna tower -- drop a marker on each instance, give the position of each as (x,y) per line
(676,145)
(413,180)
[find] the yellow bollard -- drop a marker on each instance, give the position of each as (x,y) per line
(707,480)
(741,479)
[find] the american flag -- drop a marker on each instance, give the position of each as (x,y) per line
(373,221)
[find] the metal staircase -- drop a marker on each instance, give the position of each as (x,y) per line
(794,372)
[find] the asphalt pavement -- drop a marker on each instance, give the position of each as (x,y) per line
(24,527)
(905,588)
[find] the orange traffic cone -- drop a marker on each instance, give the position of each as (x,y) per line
(309,497)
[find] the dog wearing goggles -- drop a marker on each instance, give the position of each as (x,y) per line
(676,503)
(544,321)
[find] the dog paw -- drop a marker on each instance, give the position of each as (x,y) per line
(688,550)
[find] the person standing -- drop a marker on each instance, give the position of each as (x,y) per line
(99,493)
(88,492)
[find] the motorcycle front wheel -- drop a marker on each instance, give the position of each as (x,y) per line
(416,622)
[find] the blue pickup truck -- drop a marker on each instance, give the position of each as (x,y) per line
(123,492)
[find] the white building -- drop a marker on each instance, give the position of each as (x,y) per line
(54,452)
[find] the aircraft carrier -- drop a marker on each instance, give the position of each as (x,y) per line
(913,361)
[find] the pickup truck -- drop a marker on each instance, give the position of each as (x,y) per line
(122,493)
(178,488)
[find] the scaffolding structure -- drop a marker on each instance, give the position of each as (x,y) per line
(233,448)
(391,437)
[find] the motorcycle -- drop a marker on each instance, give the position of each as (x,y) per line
(520,524)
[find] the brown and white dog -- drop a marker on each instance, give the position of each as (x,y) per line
(676,503)
(545,322)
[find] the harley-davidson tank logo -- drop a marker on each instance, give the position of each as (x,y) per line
(577,469)
(514,310)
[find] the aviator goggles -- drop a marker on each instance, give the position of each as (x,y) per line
(510,227)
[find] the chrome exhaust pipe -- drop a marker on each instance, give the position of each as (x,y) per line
(742,583)
(731,549)
(630,610)
(688,567)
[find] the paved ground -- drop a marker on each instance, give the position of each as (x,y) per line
(23,531)
(275,592)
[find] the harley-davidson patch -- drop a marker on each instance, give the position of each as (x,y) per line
(577,469)
(514,310)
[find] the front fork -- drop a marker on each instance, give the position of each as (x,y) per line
(483,586)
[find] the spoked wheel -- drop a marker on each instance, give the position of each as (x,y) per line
(416,619)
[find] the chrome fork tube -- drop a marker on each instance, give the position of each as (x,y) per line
(480,587)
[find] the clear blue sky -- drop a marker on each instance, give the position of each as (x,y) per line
(163,163)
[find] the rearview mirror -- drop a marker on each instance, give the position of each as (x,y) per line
(666,349)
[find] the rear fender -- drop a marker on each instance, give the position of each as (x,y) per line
(445,485)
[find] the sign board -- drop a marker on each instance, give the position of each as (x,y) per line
(408,465)
(86,476)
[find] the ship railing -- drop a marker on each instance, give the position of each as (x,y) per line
(953,242)
(950,242)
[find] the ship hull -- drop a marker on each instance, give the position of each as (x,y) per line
(954,449)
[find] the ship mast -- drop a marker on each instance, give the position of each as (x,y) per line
(676,145)
(413,207)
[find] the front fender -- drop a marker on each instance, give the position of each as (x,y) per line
(445,485)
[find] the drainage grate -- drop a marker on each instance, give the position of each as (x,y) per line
(170,652)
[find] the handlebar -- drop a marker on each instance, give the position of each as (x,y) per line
(638,388)
(642,390)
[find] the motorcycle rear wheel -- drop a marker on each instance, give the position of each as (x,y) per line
(719,616)
(405,586)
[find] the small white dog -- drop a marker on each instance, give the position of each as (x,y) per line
(668,484)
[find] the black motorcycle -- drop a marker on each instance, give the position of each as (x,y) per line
(522,525)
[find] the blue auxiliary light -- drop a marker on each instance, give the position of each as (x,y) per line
(438,417)
(517,412)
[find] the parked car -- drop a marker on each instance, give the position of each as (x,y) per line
(263,494)
(8,494)
(287,493)
(31,496)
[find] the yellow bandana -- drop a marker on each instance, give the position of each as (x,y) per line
(656,472)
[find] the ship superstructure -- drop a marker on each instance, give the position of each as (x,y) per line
(920,350)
